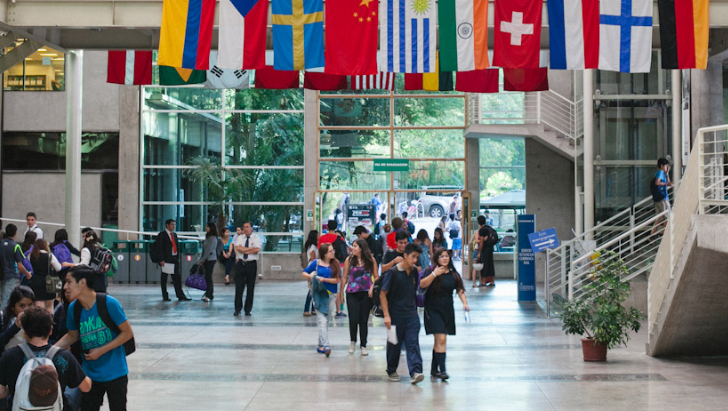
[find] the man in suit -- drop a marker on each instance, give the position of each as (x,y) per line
(247,247)
(167,244)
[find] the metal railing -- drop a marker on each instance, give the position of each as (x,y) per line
(702,190)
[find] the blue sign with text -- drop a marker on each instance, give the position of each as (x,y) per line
(526,259)
(543,240)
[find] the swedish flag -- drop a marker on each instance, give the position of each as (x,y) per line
(298,34)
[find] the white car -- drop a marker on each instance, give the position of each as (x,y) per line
(436,200)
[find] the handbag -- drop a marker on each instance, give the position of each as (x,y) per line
(53,284)
(196,279)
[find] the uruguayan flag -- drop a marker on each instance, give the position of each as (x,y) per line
(625,35)
(407,35)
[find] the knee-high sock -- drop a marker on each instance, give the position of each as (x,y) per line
(434,367)
(440,356)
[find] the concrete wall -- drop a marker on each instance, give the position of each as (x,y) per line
(44,194)
(549,193)
(46,111)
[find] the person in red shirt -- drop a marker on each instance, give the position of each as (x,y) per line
(396,226)
(330,237)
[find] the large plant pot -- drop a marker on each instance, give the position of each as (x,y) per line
(593,351)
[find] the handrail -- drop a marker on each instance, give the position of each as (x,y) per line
(113,230)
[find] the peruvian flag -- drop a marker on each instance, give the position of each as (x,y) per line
(381,81)
(130,67)
(242,34)
(517,33)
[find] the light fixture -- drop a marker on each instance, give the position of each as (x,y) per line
(42,49)
(49,55)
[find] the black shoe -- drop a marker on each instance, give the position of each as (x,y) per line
(248,314)
(184,299)
(236,314)
(165,299)
(444,376)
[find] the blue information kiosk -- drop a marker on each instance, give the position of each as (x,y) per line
(526,225)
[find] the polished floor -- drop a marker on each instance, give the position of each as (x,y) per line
(197,356)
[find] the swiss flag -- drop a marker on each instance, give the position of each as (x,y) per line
(517,30)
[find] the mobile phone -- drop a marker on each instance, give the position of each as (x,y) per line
(86,351)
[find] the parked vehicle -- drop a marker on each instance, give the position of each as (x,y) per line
(436,199)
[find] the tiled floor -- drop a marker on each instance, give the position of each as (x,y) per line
(197,356)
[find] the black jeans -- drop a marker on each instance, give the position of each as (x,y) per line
(245,273)
(359,305)
(114,389)
(209,266)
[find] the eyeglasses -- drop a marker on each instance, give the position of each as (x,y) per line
(443,256)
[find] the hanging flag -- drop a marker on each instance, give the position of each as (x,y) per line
(477,81)
(517,33)
(186,34)
(173,76)
(324,81)
(129,67)
(220,78)
(526,79)
(242,34)
(351,36)
(684,33)
(381,81)
(463,34)
(573,34)
(269,78)
(625,36)
(407,35)
(437,81)
(298,34)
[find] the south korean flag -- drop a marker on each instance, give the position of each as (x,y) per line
(219,78)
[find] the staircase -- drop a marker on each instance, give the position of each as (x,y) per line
(687,304)
(547,116)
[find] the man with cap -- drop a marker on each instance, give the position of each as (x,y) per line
(37,324)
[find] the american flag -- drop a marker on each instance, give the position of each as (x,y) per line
(381,81)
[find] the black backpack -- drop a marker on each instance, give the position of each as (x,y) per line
(155,251)
(102,260)
(376,294)
(655,191)
(492,237)
(129,346)
(340,250)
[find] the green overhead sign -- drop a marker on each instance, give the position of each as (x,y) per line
(391,164)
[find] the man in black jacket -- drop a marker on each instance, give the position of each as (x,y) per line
(167,245)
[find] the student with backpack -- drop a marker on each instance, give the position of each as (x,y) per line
(44,265)
(64,251)
(96,257)
(487,239)
(105,349)
(440,280)
(658,189)
(36,374)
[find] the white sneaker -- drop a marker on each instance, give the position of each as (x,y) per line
(352,345)
(417,377)
(364,351)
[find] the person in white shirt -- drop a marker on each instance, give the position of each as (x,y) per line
(247,247)
(30,219)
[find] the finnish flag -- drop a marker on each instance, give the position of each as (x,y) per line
(625,35)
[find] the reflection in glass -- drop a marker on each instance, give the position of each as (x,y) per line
(429,144)
(182,98)
(262,99)
(442,112)
(354,112)
(264,139)
(431,173)
(354,143)
(172,138)
(351,175)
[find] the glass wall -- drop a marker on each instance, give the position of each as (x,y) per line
(356,128)
(633,125)
(44,70)
(231,154)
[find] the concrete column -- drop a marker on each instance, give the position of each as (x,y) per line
(310,137)
(74,92)
(129,158)
(706,97)
(676,90)
(588,151)
(472,186)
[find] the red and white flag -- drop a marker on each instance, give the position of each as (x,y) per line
(130,67)
(381,81)
(517,33)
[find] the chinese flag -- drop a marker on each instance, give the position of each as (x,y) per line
(526,79)
(351,37)
(517,33)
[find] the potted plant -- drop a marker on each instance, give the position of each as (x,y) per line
(598,313)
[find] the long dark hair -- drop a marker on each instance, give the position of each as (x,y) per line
(436,285)
(312,239)
(39,244)
(213,230)
(366,256)
(28,241)
(422,236)
(333,263)
(16,295)
(92,240)
(60,237)
(441,241)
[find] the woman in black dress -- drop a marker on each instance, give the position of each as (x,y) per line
(439,308)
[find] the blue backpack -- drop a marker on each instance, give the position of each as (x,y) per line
(63,255)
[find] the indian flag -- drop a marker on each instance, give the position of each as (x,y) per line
(463,35)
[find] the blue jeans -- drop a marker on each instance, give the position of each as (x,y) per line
(408,330)
(6,287)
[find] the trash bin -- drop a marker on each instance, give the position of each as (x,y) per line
(190,253)
(138,256)
(121,253)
